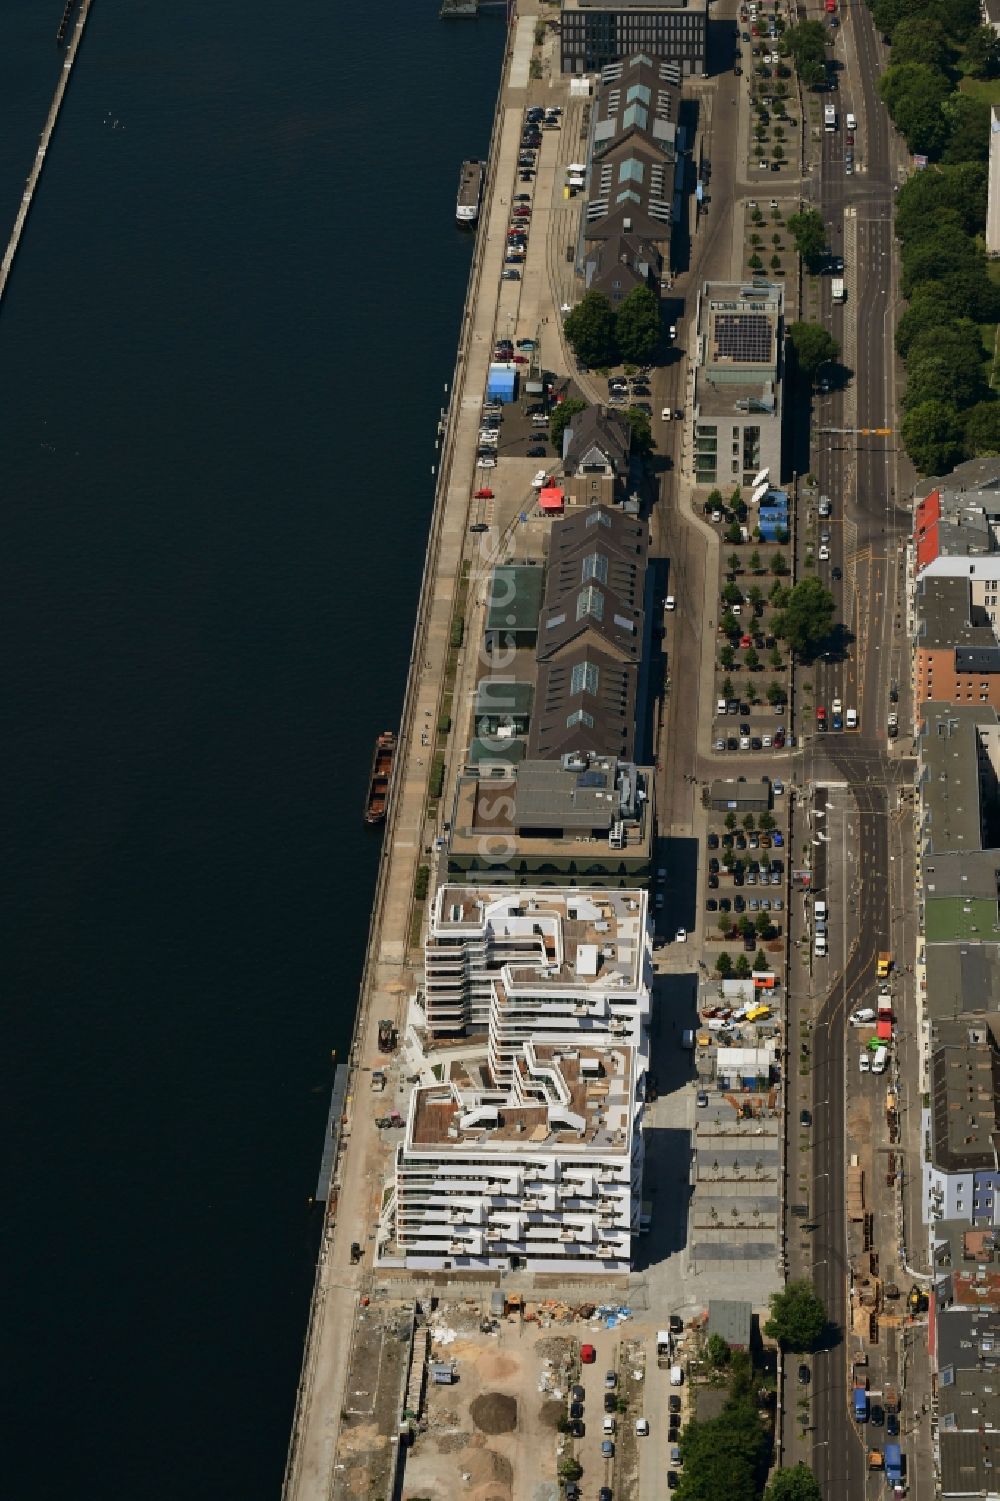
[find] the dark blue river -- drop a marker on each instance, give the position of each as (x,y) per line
(222,355)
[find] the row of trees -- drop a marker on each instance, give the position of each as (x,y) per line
(935,43)
(602,335)
(950,409)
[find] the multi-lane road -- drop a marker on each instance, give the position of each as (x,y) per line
(859,473)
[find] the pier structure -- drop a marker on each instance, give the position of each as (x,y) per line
(27,198)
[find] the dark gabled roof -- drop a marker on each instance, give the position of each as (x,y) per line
(628,259)
(631,190)
(596,428)
(638,98)
(585,701)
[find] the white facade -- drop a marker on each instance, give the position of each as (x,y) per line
(545,1176)
(563,963)
(993,198)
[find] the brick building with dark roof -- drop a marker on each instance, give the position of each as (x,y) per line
(590,636)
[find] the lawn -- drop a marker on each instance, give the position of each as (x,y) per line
(982,88)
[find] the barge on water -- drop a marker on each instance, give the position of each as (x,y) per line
(378,786)
(470,192)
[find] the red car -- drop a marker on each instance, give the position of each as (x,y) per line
(519,359)
(745,642)
(587,1354)
(484,494)
(821,717)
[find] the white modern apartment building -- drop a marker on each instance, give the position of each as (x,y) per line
(553,964)
(545,1175)
(528,1152)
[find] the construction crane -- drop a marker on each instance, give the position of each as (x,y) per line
(866,432)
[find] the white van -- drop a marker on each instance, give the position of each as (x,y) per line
(880,1059)
(819,909)
(864,1063)
(608,1428)
(850,121)
(852,719)
(676,1375)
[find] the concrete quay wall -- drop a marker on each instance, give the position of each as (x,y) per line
(387,978)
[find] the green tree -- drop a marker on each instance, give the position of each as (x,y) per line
(798,1318)
(730,821)
(590,329)
(570,1468)
(762,923)
(935,377)
(766,823)
(642,430)
(929,314)
(774,659)
(932,436)
(760,963)
(742,967)
(779,564)
(748,822)
(718,1351)
(732,594)
(755,263)
(727,658)
(727,687)
(750,691)
(775,693)
(806,44)
(981,429)
(919,40)
(938,255)
(814,346)
(754,564)
(806,619)
(751,660)
(724,1456)
(730,624)
(745,925)
(808,230)
(637,325)
(755,594)
(798,1484)
(914,94)
(968,121)
(723,963)
(733,533)
(715,501)
(560,418)
(943,194)
(981,54)
(733,564)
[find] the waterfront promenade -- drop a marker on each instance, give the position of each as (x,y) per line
(24,208)
(388,978)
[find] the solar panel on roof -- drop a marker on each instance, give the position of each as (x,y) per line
(745,337)
(592,779)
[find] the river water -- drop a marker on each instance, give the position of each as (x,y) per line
(222,354)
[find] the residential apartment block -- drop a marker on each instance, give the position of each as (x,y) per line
(962,1129)
(956,655)
(545,1175)
(509,965)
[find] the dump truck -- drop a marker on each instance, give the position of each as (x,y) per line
(893,1464)
(890,1397)
(875,1459)
(386,1035)
(883,966)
